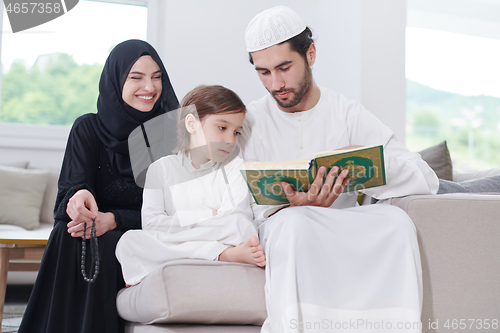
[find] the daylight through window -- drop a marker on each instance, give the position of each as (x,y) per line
(453,94)
(50,73)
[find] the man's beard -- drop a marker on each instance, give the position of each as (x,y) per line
(296,95)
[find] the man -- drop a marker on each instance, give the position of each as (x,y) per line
(330,265)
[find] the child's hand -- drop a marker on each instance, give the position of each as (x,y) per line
(214,212)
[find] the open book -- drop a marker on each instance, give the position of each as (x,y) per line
(365,165)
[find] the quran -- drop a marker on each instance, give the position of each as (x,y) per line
(365,165)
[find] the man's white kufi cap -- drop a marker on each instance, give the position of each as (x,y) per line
(271,27)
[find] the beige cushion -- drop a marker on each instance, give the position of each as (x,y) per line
(438,158)
(49,198)
(21,196)
(197,292)
(18,164)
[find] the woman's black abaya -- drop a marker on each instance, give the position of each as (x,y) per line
(96,159)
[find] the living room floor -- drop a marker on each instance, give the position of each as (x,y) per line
(16,298)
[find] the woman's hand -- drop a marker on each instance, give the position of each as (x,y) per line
(104,222)
(81,208)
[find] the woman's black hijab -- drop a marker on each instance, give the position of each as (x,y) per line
(115,119)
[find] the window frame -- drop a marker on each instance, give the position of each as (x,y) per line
(54,137)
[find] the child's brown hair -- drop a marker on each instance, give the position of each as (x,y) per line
(207,100)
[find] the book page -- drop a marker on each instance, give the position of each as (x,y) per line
(265,185)
(299,164)
(341,151)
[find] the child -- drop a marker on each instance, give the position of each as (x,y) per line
(196,203)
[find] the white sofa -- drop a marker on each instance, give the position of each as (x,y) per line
(458,238)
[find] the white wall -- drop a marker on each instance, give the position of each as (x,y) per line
(42,146)
(38,158)
(383,79)
(360,48)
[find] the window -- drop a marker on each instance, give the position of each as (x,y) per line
(453,93)
(50,73)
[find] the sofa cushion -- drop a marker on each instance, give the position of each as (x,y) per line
(21,196)
(18,164)
(192,291)
(438,158)
(481,185)
(49,198)
(13,232)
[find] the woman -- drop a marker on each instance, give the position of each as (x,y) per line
(96,181)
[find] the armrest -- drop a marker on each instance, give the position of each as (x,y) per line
(437,207)
(458,236)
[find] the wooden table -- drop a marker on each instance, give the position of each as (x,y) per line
(20,250)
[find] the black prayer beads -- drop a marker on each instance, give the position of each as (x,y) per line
(94,250)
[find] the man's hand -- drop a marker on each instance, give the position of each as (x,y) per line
(81,208)
(321,196)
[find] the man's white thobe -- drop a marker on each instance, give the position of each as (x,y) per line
(342,268)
